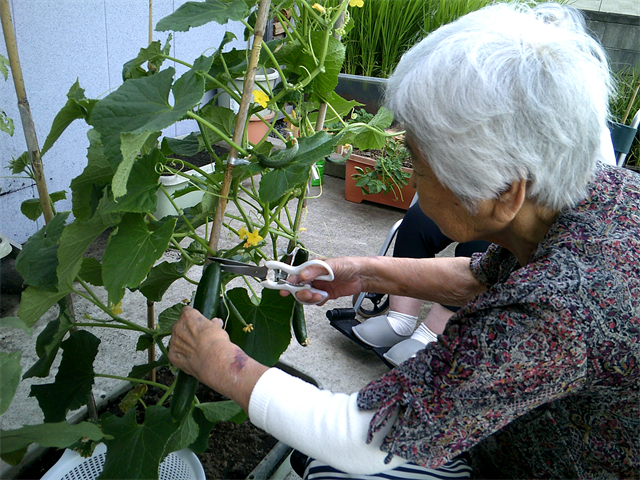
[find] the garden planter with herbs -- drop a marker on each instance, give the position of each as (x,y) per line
(397,197)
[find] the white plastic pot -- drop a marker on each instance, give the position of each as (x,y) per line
(181,465)
(266,79)
(173,183)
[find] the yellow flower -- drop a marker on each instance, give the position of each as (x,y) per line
(302,229)
(319,8)
(242,233)
(253,239)
(260,97)
(356,3)
(248,328)
(116,309)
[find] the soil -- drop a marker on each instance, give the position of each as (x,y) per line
(234,449)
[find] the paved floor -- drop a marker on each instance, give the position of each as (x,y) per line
(627,7)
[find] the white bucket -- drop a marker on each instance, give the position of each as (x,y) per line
(265,79)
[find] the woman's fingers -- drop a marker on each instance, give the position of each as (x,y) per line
(190,335)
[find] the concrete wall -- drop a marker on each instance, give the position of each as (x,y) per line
(89,40)
(619,34)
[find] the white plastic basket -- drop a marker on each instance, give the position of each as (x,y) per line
(181,465)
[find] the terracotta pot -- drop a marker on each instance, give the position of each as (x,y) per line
(257,129)
(354,194)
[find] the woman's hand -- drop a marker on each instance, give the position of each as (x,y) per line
(194,338)
(201,347)
(347,279)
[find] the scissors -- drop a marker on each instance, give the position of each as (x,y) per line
(282,270)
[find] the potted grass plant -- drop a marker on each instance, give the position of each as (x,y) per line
(624,106)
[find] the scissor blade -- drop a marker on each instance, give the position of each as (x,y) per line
(240,268)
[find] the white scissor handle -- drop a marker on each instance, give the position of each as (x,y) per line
(293,288)
(291,270)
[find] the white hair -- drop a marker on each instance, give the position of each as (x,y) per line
(503,94)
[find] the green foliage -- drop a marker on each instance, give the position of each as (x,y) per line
(6,123)
(625,104)
(383,30)
(117,193)
(387,175)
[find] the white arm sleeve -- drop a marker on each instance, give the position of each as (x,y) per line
(326,426)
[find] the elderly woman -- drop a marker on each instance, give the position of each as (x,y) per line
(537,374)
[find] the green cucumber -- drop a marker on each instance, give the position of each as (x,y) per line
(206,302)
(282,158)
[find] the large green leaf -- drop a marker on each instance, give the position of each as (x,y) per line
(77,107)
(222,118)
(187,146)
(130,145)
(168,317)
(49,340)
(297,60)
(75,240)
(32,209)
(227,410)
(142,187)
(91,271)
(54,435)
(279,181)
(160,278)
(185,435)
(154,55)
(339,109)
(201,443)
(367,139)
(195,14)
(74,378)
(35,302)
(88,187)
(135,451)
(206,415)
(10,370)
(270,319)
(38,260)
(16,322)
(142,104)
(131,252)
(131,107)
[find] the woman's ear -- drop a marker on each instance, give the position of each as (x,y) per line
(508,204)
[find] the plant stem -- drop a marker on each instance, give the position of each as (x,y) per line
(261,20)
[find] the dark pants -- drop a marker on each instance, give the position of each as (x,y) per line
(419,237)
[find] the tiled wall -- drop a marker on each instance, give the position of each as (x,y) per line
(88,40)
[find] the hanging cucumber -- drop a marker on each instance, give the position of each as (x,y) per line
(206,302)
(282,158)
(298,322)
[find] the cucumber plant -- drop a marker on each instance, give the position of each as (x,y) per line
(117,193)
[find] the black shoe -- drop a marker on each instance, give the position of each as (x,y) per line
(298,462)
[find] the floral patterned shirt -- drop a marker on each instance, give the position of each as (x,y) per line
(538,376)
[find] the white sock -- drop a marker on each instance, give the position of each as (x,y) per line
(402,323)
(424,335)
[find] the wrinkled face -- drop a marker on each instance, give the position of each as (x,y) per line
(441,205)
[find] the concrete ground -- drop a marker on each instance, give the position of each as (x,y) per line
(334,227)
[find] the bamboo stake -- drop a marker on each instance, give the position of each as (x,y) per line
(32,145)
(151,319)
(25,111)
(247,92)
